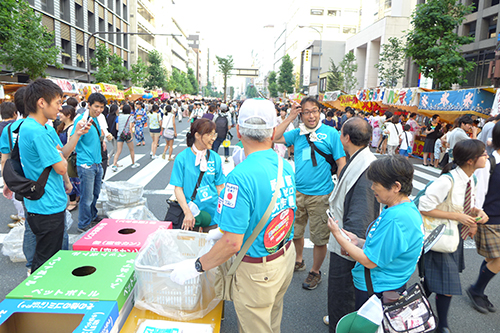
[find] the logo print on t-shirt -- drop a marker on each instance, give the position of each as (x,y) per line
(279,229)
(219,205)
(230,195)
(321,136)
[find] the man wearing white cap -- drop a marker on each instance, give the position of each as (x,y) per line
(266,270)
(313,142)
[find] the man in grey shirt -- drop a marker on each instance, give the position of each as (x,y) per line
(485,134)
(460,132)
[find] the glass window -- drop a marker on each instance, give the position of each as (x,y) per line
(317,11)
(333,12)
(349,30)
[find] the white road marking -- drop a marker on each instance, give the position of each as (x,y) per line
(125,162)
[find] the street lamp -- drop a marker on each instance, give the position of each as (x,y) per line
(320,49)
(115,33)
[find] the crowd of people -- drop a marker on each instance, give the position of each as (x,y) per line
(264,205)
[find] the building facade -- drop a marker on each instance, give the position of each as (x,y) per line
(73,22)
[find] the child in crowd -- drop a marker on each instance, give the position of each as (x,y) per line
(405,139)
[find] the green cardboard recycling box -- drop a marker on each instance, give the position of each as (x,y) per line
(81,276)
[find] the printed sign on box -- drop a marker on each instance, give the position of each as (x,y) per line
(81,276)
(119,235)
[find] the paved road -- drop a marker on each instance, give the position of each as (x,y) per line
(303,310)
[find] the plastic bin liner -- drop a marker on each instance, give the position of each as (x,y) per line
(124,193)
(156,292)
(13,244)
(110,205)
(140,212)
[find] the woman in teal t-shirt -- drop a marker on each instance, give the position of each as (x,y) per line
(394,240)
(187,167)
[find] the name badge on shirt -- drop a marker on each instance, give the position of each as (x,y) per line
(204,193)
(230,195)
(306,154)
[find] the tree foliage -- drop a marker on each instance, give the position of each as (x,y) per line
(194,82)
(209,92)
(334,80)
(251,91)
(225,67)
(348,67)
(272,84)
(434,45)
(157,74)
(391,62)
(138,73)
(109,66)
(286,80)
(25,44)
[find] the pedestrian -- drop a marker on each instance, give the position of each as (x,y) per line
(188,166)
(399,224)
(140,119)
(486,134)
(280,148)
(82,109)
(266,270)
(375,123)
(8,113)
(39,148)
(154,120)
(89,163)
(393,129)
(111,124)
(355,205)
(349,113)
(210,114)
(432,132)
(442,269)
(169,132)
(487,237)
(314,180)
(405,140)
(179,109)
(67,117)
(414,128)
(124,125)
(384,121)
(460,133)
(222,127)
(329,120)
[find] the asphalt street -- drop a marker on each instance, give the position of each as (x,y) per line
(303,309)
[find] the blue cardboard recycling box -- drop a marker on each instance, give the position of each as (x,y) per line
(52,316)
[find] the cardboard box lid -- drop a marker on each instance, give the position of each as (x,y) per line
(119,235)
(82,276)
(97,316)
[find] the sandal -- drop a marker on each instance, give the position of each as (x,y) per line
(72,205)
(137,145)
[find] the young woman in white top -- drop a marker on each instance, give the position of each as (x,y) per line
(169,132)
(393,129)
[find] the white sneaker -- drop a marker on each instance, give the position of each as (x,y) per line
(135,165)
(19,223)
(326,320)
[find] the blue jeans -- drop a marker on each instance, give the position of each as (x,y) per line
(216,145)
(90,187)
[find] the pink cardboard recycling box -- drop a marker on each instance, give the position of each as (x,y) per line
(119,235)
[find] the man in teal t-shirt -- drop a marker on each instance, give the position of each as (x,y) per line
(267,267)
(314,180)
(88,163)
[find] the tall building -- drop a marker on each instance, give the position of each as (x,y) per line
(73,21)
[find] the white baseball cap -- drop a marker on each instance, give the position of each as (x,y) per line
(257,108)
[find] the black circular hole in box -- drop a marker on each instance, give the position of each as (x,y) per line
(84,271)
(126,231)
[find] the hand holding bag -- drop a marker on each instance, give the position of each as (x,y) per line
(225,272)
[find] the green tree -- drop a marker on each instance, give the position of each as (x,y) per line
(101,62)
(157,74)
(348,67)
(119,72)
(188,87)
(286,80)
(26,46)
(177,82)
(225,67)
(139,73)
(272,84)
(434,45)
(334,80)
(391,61)
(194,82)
(231,92)
(251,91)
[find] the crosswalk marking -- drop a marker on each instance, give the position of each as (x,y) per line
(433,170)
(125,162)
(146,174)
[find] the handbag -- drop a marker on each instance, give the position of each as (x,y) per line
(411,313)
(224,277)
(168,133)
(72,170)
(175,214)
(448,243)
(125,135)
(408,148)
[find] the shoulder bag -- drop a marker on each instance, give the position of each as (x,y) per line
(225,273)
(72,170)
(327,157)
(175,214)
(125,135)
(411,312)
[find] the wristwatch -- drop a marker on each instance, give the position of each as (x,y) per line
(197,266)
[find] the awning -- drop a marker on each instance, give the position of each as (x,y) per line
(11,87)
(68,87)
(109,90)
(134,93)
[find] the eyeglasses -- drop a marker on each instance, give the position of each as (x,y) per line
(313,112)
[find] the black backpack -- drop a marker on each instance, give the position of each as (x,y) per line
(221,127)
(15,179)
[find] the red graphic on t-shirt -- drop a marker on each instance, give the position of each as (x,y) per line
(229,196)
(278,230)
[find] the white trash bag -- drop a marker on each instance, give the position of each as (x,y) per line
(13,244)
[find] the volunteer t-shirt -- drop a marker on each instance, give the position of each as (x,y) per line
(37,150)
(315,180)
(88,148)
(4,138)
(249,190)
(394,243)
(185,174)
